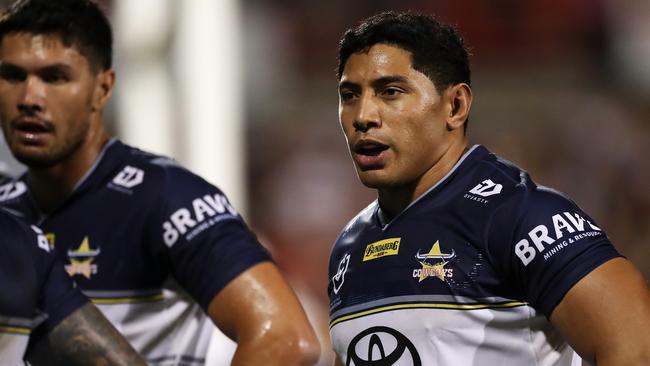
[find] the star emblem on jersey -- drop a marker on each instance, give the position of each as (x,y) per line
(433,263)
(81,260)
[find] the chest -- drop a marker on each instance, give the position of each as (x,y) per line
(422,256)
(104,240)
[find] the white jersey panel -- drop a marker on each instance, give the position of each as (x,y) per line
(441,337)
(171,331)
(12,348)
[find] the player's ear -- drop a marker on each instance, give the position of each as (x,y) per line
(103,89)
(459,99)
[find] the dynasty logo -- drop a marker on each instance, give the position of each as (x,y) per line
(81,260)
(433,263)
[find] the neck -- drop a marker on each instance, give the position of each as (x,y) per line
(394,200)
(50,186)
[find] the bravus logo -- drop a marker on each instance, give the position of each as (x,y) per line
(568,226)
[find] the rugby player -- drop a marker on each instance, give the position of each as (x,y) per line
(161,251)
(462,259)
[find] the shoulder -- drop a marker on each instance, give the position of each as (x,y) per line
(362,220)
(21,239)
(355,227)
(12,226)
(504,187)
(135,170)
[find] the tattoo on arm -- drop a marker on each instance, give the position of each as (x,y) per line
(85,337)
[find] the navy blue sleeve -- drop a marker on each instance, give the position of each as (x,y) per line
(58,295)
(544,244)
(209,243)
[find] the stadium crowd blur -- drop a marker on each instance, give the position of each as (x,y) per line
(561,87)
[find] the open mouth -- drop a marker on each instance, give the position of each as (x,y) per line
(33,126)
(369,148)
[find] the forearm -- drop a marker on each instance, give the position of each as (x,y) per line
(261,313)
(85,337)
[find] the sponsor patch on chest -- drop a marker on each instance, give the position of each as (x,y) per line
(381,248)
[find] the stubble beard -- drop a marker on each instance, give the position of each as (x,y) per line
(60,151)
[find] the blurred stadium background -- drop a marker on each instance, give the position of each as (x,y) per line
(244,93)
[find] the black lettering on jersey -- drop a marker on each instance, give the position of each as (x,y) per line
(375,354)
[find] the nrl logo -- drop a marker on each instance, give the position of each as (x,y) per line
(339,277)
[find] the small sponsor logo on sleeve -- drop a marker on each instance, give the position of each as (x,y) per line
(547,241)
(381,248)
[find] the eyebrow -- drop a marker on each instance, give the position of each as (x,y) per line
(48,68)
(376,84)
(56,67)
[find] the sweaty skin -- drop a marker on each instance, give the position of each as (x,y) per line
(51,101)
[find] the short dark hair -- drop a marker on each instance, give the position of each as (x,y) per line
(79,23)
(437,49)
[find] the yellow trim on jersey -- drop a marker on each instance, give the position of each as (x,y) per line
(512,304)
(14,330)
(127,300)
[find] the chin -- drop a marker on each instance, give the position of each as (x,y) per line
(33,160)
(374,179)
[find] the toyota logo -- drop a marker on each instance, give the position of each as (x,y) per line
(376,353)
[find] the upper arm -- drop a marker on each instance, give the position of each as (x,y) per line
(606,315)
(259,310)
(204,238)
(84,337)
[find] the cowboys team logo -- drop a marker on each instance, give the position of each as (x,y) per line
(433,264)
(81,260)
(381,346)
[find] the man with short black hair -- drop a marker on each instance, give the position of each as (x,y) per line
(463,259)
(157,248)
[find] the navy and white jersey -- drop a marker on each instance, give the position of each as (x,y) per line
(34,287)
(151,244)
(468,274)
